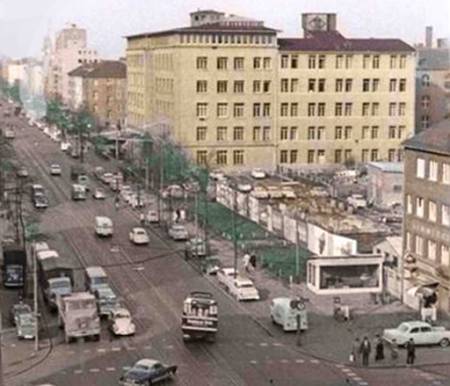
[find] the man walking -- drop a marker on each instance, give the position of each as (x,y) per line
(356,351)
(379,348)
(365,351)
(246,262)
(410,352)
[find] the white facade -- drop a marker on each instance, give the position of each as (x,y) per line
(75,92)
(35,79)
(16,72)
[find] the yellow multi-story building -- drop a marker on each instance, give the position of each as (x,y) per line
(227,89)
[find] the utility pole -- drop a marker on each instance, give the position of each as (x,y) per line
(196,224)
(234,234)
(297,253)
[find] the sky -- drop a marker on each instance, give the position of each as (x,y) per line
(24,23)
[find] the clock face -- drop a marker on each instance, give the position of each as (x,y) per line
(317,23)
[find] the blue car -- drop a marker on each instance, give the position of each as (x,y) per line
(147,372)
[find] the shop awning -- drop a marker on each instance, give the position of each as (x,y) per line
(423,289)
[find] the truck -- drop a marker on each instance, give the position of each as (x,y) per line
(78,317)
(78,192)
(14,265)
(76,171)
(200,317)
(56,279)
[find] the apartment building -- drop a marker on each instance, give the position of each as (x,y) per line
(234,95)
(426,230)
(101,89)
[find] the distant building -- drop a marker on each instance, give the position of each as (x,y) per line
(101,88)
(234,95)
(385,188)
(426,228)
(432,83)
(16,71)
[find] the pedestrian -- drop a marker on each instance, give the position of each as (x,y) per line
(354,356)
(246,261)
(394,351)
(253,259)
(142,219)
(379,348)
(365,350)
(410,352)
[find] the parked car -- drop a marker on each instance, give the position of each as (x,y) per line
(139,236)
(55,170)
(422,333)
(65,146)
(26,326)
(196,246)
(18,309)
(210,265)
(147,372)
(226,275)
(40,201)
(152,216)
(244,188)
(22,172)
(243,288)
(217,176)
(106,178)
(319,191)
(174,191)
(258,174)
(357,201)
(99,194)
(98,172)
(178,232)
(121,323)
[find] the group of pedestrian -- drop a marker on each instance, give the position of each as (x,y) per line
(249,261)
(361,351)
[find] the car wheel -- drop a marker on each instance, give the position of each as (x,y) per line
(444,342)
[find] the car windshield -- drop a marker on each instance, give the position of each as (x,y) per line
(140,232)
(141,367)
(403,327)
(27,319)
(122,316)
(245,285)
(178,228)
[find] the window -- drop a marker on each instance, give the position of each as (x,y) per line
(222,110)
(222,63)
(257,133)
(266,86)
(348,109)
(392,109)
(338,109)
(321,85)
(419,245)
(348,61)
(222,86)
(366,59)
(348,85)
(446,215)
(425,121)
(402,85)
(365,132)
(433,171)
(221,157)
(375,84)
(420,168)
(432,211)
(238,133)
(403,61)
(338,156)
(339,61)
(366,85)
(338,132)
(321,132)
(391,155)
(375,108)
(284,61)
(402,109)
(401,131)
(284,110)
(311,109)
(294,109)
(425,80)
(266,133)
(293,133)
(266,110)
(202,63)
(257,63)
(365,155)
(445,255)
(294,156)
(446,174)
(284,133)
(391,132)
(321,109)
(420,205)
(239,63)
(321,61)
(409,208)
(283,156)
(393,85)
(284,85)
(201,133)
(294,61)
(348,154)
(256,86)
(221,133)
(311,132)
(311,85)
(374,155)
(348,132)
(202,110)
(393,61)
(238,86)
(339,85)
(202,157)
(310,156)
(202,86)
(238,157)
(365,108)
(294,85)
(376,61)
(256,109)
(312,61)
(431,250)
(238,110)
(425,101)
(267,63)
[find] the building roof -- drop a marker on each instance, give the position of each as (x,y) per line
(334,41)
(433,59)
(396,242)
(103,69)
(388,167)
(433,140)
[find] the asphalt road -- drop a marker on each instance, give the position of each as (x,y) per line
(152,281)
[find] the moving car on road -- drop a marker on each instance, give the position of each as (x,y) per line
(121,323)
(210,265)
(22,172)
(17,310)
(139,236)
(103,226)
(258,174)
(98,194)
(107,300)
(26,326)
(243,288)
(40,201)
(422,333)
(78,192)
(152,216)
(55,170)
(226,275)
(196,246)
(178,232)
(147,372)
(287,312)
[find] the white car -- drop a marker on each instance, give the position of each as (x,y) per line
(243,288)
(244,188)
(121,323)
(139,235)
(226,275)
(98,194)
(178,232)
(55,170)
(106,178)
(65,146)
(258,174)
(422,333)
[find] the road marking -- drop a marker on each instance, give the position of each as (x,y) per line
(249,344)
(71,352)
(131,348)
(277,344)
(101,350)
(169,346)
(363,383)
(299,361)
(94,370)
(351,374)
(78,371)
(315,361)
(87,350)
(116,349)
(284,361)
(110,369)
(340,366)
(253,362)
(263,344)
(357,379)
(345,370)
(13,345)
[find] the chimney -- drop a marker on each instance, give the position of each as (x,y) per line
(429,37)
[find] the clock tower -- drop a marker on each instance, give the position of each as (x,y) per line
(312,22)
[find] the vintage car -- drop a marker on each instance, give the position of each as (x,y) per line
(26,326)
(99,194)
(210,265)
(421,332)
(288,312)
(243,288)
(18,309)
(55,170)
(226,275)
(121,323)
(22,172)
(139,236)
(147,372)
(178,232)
(196,246)
(152,216)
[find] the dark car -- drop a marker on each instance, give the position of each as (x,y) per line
(147,372)
(40,200)
(18,309)
(22,172)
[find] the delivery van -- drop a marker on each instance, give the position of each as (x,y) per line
(103,226)
(287,312)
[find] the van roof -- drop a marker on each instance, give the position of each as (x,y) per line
(95,271)
(103,219)
(42,255)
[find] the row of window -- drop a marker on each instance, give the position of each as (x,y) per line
(429,249)
(222,157)
(418,206)
(226,39)
(259,133)
(223,63)
(259,86)
(292,109)
(433,170)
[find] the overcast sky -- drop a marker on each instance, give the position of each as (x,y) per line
(24,23)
